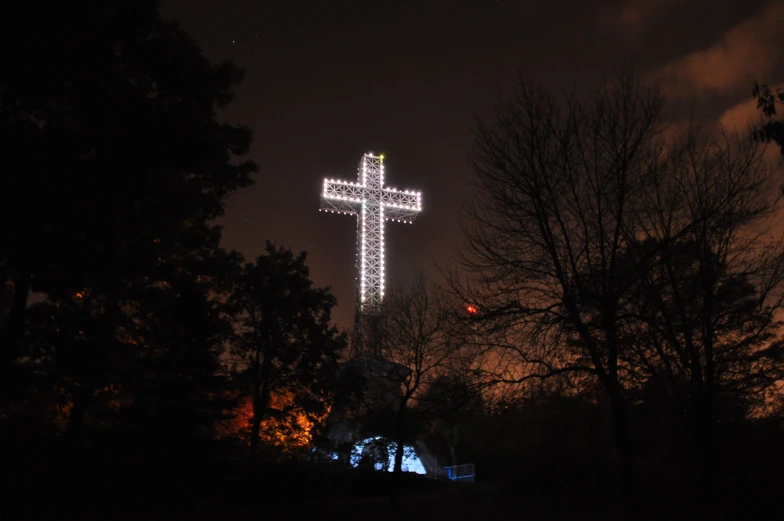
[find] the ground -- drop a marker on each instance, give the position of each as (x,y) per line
(173,491)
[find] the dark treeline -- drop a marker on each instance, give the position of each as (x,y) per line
(625,278)
(125,330)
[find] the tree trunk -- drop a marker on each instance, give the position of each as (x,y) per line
(706,451)
(702,436)
(261,394)
(705,442)
(620,416)
(15,325)
(623,445)
(255,425)
(399,448)
(74,427)
(256,419)
(451,441)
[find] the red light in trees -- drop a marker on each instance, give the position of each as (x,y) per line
(471,309)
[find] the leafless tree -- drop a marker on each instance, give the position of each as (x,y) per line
(414,346)
(709,236)
(556,185)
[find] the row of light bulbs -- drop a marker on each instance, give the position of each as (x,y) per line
(364,247)
(337,211)
(394,205)
(356,200)
(340,182)
(381,287)
(342,198)
(407,192)
(358,185)
(325,195)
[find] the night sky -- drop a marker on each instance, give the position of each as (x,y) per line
(329,80)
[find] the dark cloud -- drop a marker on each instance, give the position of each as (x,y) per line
(752,49)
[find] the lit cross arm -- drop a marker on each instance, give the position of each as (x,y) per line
(341,196)
(401,205)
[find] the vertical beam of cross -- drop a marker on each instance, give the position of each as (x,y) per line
(373,204)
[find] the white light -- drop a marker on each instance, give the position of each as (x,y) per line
(373,196)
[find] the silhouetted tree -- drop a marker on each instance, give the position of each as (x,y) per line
(556,185)
(711,251)
(449,402)
(66,353)
(349,414)
(125,163)
(155,374)
(178,382)
(414,346)
(283,340)
(771,130)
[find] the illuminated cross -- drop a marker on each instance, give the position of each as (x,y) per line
(374,204)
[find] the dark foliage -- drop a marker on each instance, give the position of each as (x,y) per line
(123,167)
(122,159)
(772,130)
(283,341)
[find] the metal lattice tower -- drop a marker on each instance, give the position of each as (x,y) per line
(374,204)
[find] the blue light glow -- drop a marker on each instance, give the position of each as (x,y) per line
(378,449)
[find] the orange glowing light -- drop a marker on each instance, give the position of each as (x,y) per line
(472,310)
(289,433)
